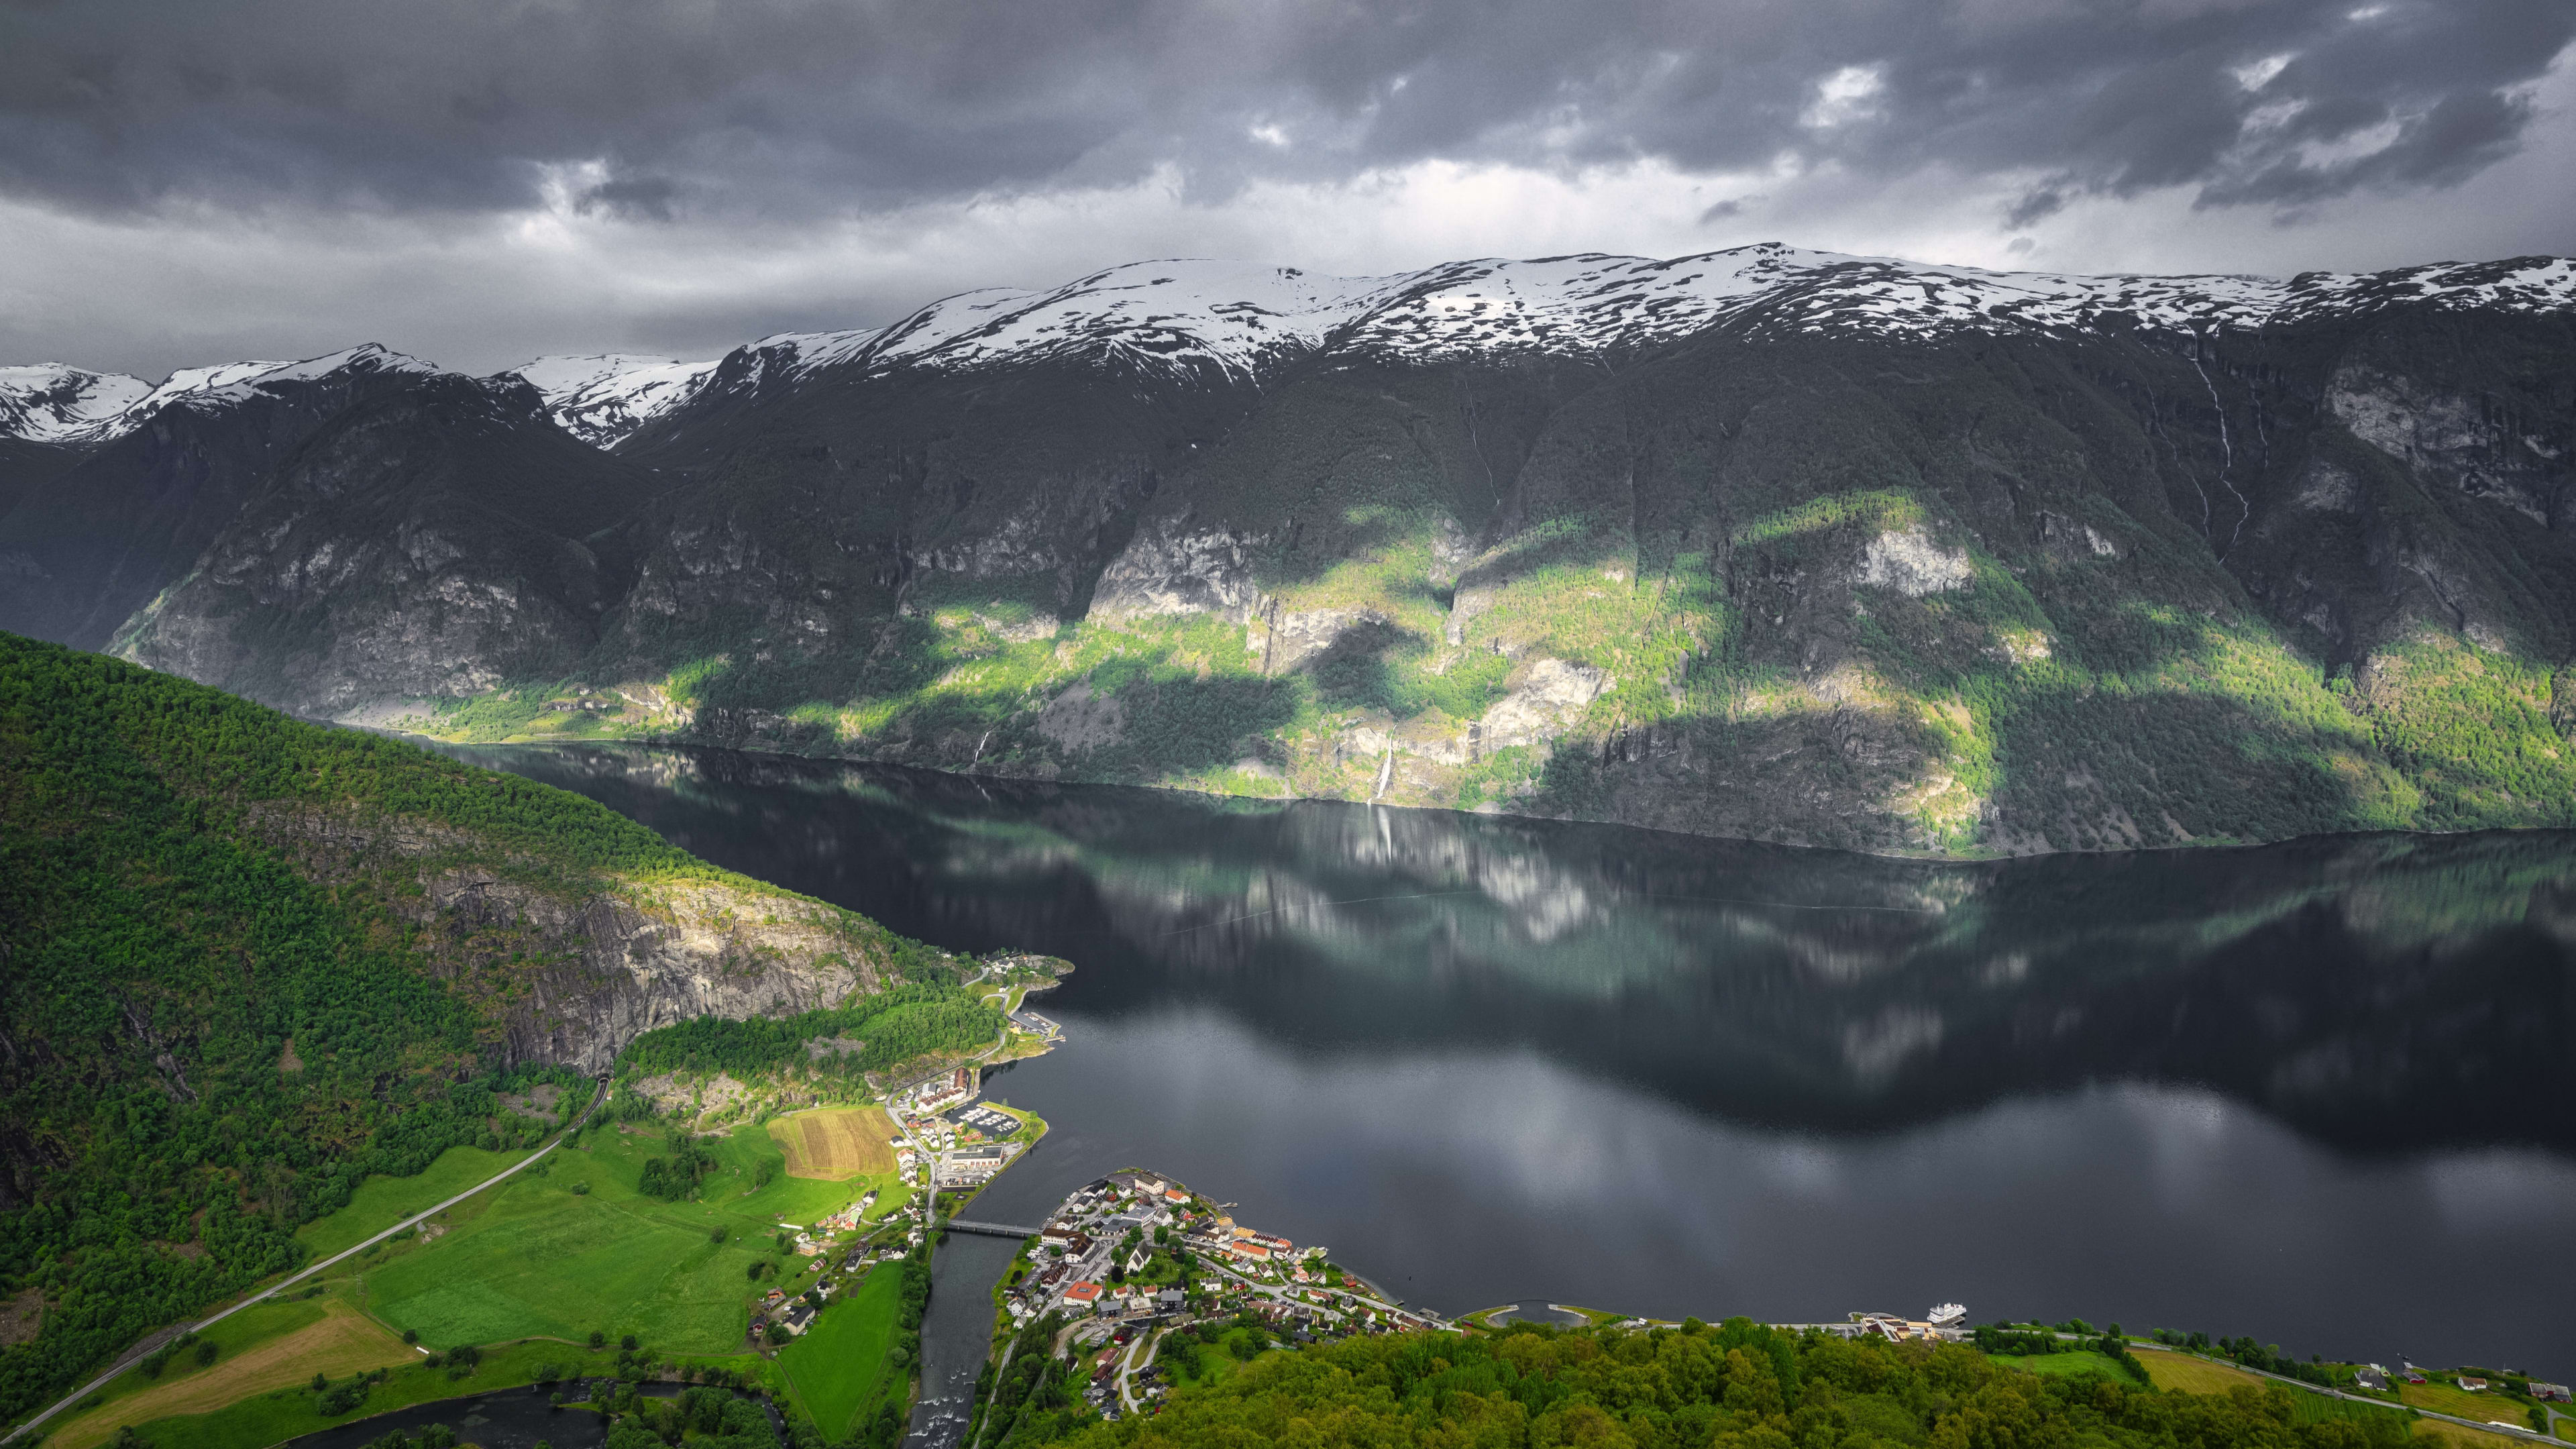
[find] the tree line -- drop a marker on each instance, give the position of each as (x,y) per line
(899,1024)
(1736,1385)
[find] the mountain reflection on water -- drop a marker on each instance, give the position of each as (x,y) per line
(2378,993)
(2316,1093)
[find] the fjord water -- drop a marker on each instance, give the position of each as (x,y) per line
(2321,1093)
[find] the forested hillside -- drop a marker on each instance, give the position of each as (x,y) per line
(1735,1386)
(247,961)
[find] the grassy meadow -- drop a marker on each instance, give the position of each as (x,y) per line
(2083,1362)
(381,1202)
(539,1258)
(838,1369)
(526,1272)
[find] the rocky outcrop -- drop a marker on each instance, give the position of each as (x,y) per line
(1544,702)
(2466,442)
(571,974)
(641,961)
(1909,562)
(1178,570)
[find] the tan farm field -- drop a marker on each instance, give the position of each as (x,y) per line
(345,1342)
(836,1143)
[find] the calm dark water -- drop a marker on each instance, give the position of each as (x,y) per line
(519,1418)
(957,1332)
(2321,1093)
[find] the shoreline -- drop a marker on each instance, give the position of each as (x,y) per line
(674,742)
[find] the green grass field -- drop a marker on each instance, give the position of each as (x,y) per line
(2064,1363)
(535,1258)
(838,1367)
(381,1202)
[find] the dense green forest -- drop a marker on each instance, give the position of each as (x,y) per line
(1738,1385)
(204,1044)
(904,1021)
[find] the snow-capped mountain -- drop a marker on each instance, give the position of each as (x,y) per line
(1239,319)
(1713,543)
(1177,318)
(51,403)
(48,402)
(602,397)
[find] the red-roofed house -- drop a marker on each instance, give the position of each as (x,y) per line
(1081,1295)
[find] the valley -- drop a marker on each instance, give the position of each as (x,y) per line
(1600,712)
(1345,1008)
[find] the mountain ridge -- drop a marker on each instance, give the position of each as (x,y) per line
(1763,542)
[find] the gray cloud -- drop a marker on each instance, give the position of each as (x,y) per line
(635,198)
(788,109)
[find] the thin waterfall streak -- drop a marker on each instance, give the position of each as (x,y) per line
(2226,453)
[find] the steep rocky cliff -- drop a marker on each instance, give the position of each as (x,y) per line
(82,549)
(570,972)
(1767,543)
(442,539)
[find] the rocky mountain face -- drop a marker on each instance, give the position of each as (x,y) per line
(1767,543)
(609,963)
(442,539)
(148,486)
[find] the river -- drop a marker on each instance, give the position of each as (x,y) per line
(2319,1093)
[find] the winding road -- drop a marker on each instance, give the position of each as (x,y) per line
(143,1350)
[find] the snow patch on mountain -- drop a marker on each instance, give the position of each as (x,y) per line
(1240,320)
(117,405)
(602,397)
(48,402)
(1213,320)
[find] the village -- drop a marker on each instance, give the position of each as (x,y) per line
(1134,1255)
(944,1141)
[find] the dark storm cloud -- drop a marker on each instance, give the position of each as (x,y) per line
(645,109)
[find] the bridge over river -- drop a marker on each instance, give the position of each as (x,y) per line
(990,1230)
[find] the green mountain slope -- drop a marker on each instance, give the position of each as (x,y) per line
(247,961)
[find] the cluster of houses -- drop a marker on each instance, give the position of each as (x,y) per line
(941,1093)
(846,1220)
(960,1149)
(2470,1383)
(794,1312)
(1249,1271)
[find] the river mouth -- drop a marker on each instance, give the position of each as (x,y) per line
(2313,1092)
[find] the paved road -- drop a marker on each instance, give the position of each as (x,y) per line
(1290,1295)
(1151,1341)
(142,1350)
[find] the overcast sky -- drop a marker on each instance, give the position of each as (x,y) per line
(479,183)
